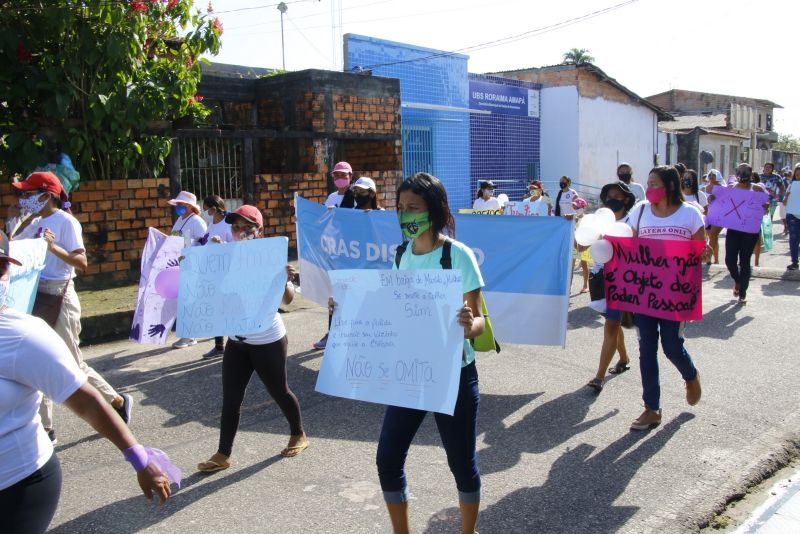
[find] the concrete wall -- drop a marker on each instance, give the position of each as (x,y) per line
(559,135)
(613,132)
(722,157)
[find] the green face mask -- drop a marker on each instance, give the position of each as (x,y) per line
(413,224)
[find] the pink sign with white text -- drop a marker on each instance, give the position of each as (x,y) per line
(737,209)
(655,277)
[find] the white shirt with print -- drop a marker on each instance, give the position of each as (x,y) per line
(679,226)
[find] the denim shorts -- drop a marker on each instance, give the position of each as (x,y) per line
(612,315)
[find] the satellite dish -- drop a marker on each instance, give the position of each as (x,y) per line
(706,156)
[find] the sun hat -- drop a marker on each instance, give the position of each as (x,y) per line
(4,249)
(365,183)
(343,166)
(247,212)
(185,197)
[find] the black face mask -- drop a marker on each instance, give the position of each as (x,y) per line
(562,184)
(686,184)
(625,176)
(615,204)
(362,200)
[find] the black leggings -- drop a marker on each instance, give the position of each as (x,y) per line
(28,506)
(739,247)
(238,364)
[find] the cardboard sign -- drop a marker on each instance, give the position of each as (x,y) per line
(232,288)
(655,277)
(155,315)
(395,338)
(526,209)
(737,209)
(25,278)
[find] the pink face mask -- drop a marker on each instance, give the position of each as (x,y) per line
(655,194)
(341,182)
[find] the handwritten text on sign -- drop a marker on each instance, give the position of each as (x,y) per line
(25,278)
(738,209)
(395,338)
(232,288)
(659,278)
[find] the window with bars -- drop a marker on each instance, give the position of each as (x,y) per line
(212,166)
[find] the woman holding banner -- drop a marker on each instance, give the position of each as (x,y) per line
(35,360)
(426,221)
(43,197)
(664,215)
(265,354)
(739,246)
(620,199)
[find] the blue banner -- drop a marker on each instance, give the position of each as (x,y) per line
(505,99)
(525,262)
(25,278)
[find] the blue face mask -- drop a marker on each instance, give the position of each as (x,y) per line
(180,210)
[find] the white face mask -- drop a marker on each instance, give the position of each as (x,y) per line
(5,286)
(32,204)
(207,217)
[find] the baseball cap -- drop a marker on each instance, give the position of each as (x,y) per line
(4,248)
(535,184)
(42,181)
(365,183)
(342,166)
(248,213)
(486,183)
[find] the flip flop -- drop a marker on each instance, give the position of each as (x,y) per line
(291,452)
(596,383)
(619,368)
(210,466)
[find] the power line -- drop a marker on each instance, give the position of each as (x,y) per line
(252,8)
(312,15)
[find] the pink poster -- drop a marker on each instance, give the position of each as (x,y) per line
(738,209)
(154,315)
(655,277)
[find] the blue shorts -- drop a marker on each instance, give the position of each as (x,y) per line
(612,315)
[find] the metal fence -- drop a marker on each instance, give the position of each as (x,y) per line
(212,166)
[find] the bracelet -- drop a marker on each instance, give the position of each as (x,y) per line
(137,456)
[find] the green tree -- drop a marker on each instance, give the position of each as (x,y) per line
(787,143)
(101,79)
(576,56)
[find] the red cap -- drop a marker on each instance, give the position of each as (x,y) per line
(248,213)
(44,181)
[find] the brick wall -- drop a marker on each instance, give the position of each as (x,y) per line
(115,215)
(275,196)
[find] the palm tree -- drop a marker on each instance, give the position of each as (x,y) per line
(576,56)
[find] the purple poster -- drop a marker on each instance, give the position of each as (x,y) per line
(737,209)
(155,315)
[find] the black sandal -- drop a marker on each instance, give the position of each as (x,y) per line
(619,368)
(596,383)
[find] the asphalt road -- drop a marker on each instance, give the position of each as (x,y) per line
(554,456)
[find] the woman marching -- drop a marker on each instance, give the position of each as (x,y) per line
(620,199)
(34,359)
(218,231)
(714,178)
(426,220)
(793,219)
(664,215)
(265,354)
(42,196)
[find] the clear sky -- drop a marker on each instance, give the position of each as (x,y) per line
(738,47)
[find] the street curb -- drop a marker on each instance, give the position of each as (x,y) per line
(769,273)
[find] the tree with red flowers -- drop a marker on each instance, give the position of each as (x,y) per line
(103,80)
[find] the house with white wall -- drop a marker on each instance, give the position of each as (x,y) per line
(590,123)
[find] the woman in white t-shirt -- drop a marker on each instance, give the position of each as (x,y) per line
(342,174)
(566,196)
(535,204)
(692,192)
(192,228)
(264,353)
(486,200)
(35,360)
(43,197)
(218,231)
(664,215)
(713,178)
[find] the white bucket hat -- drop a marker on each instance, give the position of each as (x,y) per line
(185,197)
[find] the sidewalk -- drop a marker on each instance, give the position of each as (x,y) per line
(780,513)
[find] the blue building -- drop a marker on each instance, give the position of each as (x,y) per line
(447,132)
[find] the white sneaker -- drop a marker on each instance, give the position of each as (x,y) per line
(184,342)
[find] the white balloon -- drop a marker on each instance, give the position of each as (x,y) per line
(503,199)
(619,229)
(585,235)
(605,218)
(601,251)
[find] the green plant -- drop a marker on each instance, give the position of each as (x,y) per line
(787,143)
(576,56)
(100,79)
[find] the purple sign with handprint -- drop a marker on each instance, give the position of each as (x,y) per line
(154,314)
(737,209)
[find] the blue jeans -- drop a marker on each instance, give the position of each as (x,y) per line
(458,433)
(671,333)
(794,235)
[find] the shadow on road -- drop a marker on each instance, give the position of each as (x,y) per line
(781,287)
(579,492)
(721,322)
(135,514)
(547,426)
(583,317)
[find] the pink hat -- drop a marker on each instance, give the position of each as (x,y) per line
(343,166)
(248,213)
(187,198)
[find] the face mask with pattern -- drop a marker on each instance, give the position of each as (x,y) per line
(413,224)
